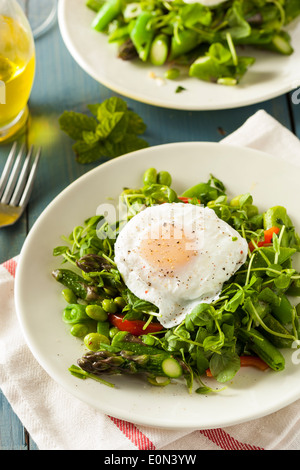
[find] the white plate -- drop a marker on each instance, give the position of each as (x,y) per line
(271,75)
(39,302)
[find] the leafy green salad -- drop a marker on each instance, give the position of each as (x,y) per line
(207,40)
(255,317)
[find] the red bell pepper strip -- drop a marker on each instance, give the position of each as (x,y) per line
(247,361)
(253,361)
(268,234)
(186,200)
(135,327)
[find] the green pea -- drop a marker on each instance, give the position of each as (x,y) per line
(172,74)
(164,178)
(79,330)
(109,306)
(120,302)
(69,296)
(113,331)
(93,340)
(150,176)
(96,312)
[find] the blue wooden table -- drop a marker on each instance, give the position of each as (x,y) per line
(61,85)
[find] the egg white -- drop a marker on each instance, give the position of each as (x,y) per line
(211,253)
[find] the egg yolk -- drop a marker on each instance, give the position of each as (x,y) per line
(168,250)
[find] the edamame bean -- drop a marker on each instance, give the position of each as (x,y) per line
(69,296)
(79,330)
(109,306)
(150,176)
(164,178)
(96,312)
(120,302)
(93,340)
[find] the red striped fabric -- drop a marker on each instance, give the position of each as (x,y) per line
(11,266)
(141,441)
(225,441)
(134,434)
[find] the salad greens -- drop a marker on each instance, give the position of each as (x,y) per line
(111,131)
(208,40)
(249,324)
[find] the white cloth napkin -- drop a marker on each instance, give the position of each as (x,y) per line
(58,421)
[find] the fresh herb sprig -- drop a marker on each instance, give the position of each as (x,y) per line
(111,131)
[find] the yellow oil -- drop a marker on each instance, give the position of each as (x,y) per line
(17,69)
(8,215)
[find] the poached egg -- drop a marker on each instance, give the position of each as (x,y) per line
(177,255)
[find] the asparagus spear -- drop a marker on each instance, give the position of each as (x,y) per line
(126,362)
(77,284)
(91,263)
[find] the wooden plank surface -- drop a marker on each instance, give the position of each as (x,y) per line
(61,85)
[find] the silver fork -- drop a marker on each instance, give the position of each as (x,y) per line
(16,183)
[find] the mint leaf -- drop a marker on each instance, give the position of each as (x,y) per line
(136,123)
(112,131)
(94,108)
(74,124)
(110,106)
(130,143)
(87,153)
(120,129)
(90,137)
(107,124)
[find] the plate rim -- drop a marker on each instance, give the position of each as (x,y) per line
(74,390)
(135,96)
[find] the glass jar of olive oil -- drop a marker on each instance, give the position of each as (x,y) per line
(17,68)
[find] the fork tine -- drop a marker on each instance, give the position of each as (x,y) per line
(22,180)
(13,178)
(7,168)
(30,181)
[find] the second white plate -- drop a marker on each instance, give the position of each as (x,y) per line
(272,74)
